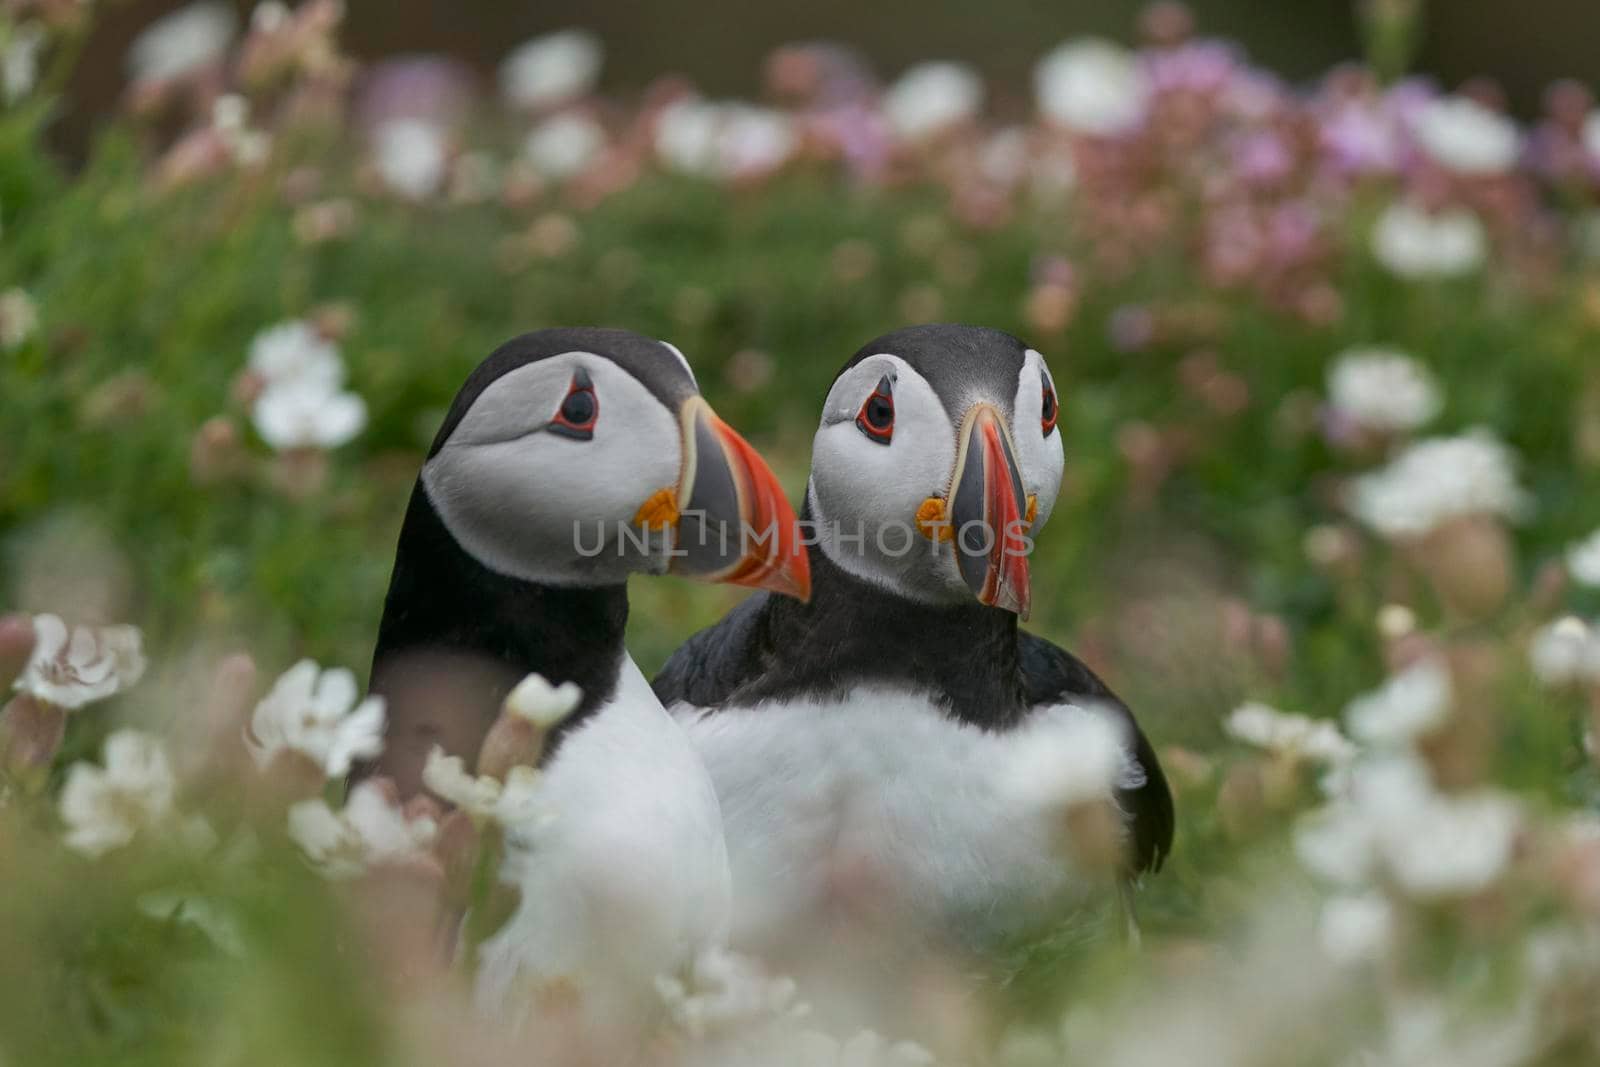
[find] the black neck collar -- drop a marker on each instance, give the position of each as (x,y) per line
(853,632)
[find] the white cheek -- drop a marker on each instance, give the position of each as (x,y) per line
(540,506)
(1039,457)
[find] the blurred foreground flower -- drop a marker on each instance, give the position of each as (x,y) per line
(1409,705)
(724,990)
(516,801)
(314,714)
(307,416)
(551,70)
(1565,653)
(1583,561)
(724,141)
(1417,245)
(73,667)
(294,353)
(134,792)
(1092,87)
(19,60)
(371,829)
(565,145)
(1289,734)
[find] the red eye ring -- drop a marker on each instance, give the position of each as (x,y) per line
(579,410)
(876,417)
(1051,409)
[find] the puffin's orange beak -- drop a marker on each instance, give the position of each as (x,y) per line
(988,515)
(734,523)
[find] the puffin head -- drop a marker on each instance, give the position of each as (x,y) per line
(575,457)
(937,460)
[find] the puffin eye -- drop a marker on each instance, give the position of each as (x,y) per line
(876,418)
(1051,410)
(578,412)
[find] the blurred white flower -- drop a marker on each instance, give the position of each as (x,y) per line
(1072,756)
(1335,843)
(723,140)
(19,318)
(71,668)
(300,416)
(1462,135)
(518,801)
(551,70)
(1566,652)
(182,42)
(1583,561)
(315,713)
(542,704)
(230,118)
(1093,87)
(1356,928)
(1383,390)
(723,990)
(564,145)
(1286,733)
(1436,480)
(1452,845)
(932,97)
(1415,244)
(269,16)
(19,61)
(106,807)
(1591,135)
(371,829)
(411,157)
(294,353)
(1407,706)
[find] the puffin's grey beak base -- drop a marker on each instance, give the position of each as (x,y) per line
(987,516)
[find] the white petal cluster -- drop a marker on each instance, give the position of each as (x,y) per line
(411,156)
(1092,87)
(930,98)
(1417,245)
(106,807)
(1356,927)
(1382,390)
(1069,756)
(71,667)
(564,145)
(315,713)
(1392,822)
(517,801)
(1583,561)
(723,140)
(551,70)
(1408,706)
(1463,136)
(1565,653)
(182,42)
(303,404)
(371,829)
(1436,480)
(19,61)
(1289,734)
(19,318)
(723,990)
(541,703)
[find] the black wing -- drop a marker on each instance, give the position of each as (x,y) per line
(713,664)
(1053,675)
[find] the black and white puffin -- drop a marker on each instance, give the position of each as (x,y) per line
(513,558)
(864,744)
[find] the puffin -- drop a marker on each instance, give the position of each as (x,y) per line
(879,750)
(570,460)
